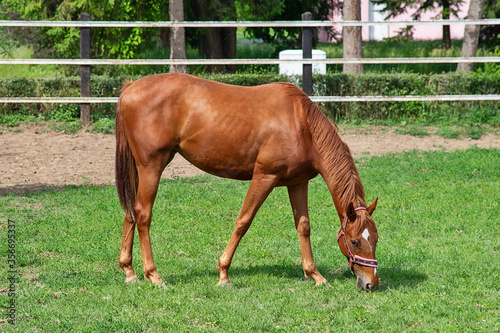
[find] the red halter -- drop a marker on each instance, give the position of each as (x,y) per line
(354,259)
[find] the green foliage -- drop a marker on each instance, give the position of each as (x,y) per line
(103,125)
(292,10)
(70,127)
(7,45)
(64,113)
(398,7)
(410,84)
(16,71)
(14,119)
(437,221)
(475,132)
(491,68)
(489,35)
(258,10)
(412,130)
(448,132)
(409,49)
(106,42)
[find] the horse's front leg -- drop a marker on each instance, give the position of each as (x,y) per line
(298,199)
(260,187)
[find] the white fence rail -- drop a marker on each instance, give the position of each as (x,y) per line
(205,24)
(331,61)
(406,98)
(234,24)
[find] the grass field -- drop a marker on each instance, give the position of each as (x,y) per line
(35,71)
(249,50)
(439,229)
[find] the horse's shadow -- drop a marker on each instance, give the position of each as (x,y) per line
(287,271)
(390,278)
(400,278)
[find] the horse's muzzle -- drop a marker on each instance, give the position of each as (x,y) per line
(366,284)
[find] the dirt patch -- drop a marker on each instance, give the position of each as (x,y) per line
(34,157)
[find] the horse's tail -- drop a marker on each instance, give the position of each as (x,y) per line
(126,175)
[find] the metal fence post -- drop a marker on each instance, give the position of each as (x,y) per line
(307,35)
(85,70)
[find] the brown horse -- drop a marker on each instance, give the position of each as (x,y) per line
(271,134)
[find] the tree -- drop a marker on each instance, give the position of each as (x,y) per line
(177,37)
(449,8)
(471,35)
(218,42)
(353,43)
(287,10)
(490,34)
(117,42)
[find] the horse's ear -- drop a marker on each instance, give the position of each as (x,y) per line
(372,207)
(351,213)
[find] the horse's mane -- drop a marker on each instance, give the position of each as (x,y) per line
(125,85)
(337,156)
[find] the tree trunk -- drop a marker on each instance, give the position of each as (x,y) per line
(446,28)
(177,37)
(219,43)
(471,35)
(353,44)
(228,38)
(210,47)
(163,40)
(216,43)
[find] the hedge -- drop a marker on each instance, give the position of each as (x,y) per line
(330,84)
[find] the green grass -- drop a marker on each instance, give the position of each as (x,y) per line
(247,50)
(412,130)
(35,71)
(438,253)
(414,49)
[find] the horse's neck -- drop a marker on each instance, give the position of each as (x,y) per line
(341,176)
(334,160)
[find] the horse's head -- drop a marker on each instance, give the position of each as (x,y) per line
(358,240)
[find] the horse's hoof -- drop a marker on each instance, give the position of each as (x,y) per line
(225,285)
(132,280)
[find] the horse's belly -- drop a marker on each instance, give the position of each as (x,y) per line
(220,166)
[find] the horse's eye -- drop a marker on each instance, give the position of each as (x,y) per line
(354,243)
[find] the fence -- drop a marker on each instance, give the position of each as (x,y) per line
(307,24)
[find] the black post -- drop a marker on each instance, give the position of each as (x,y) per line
(85,70)
(307,36)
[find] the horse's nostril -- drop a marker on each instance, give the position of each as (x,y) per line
(368,287)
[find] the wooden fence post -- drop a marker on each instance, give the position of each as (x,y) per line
(307,35)
(85,70)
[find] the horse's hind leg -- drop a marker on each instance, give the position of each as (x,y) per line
(149,179)
(148,187)
(125,260)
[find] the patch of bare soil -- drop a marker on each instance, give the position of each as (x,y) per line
(33,157)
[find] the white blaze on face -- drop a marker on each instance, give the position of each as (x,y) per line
(365,235)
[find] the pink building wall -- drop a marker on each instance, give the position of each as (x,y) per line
(420,32)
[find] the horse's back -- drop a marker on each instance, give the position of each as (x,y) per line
(218,126)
